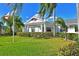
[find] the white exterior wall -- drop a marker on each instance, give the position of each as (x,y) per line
(40,30)
(30,30)
(71,30)
(37,29)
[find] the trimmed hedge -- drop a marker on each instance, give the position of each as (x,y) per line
(6,34)
(71,36)
(36,34)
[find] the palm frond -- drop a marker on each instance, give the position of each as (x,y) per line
(51,8)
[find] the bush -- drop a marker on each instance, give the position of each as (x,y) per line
(70,50)
(36,34)
(6,34)
(70,36)
(23,34)
(61,34)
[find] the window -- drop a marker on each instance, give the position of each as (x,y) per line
(48,29)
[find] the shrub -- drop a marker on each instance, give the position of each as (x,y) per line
(36,34)
(6,34)
(70,36)
(61,34)
(23,34)
(70,50)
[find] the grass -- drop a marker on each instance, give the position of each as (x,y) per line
(28,46)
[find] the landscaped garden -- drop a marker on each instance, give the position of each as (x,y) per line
(17,40)
(31,46)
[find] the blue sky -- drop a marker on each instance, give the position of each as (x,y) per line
(64,10)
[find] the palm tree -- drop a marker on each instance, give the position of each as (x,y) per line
(1,27)
(46,10)
(16,9)
(60,22)
(8,22)
(18,23)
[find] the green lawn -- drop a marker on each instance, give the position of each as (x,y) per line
(30,46)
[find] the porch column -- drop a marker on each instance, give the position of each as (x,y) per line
(27,28)
(44,26)
(41,28)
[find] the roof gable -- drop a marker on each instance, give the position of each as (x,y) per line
(35,19)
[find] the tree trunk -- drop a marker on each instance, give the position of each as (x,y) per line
(10,29)
(0,30)
(54,27)
(77,7)
(65,36)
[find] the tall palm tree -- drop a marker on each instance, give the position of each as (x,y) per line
(16,9)
(46,10)
(60,22)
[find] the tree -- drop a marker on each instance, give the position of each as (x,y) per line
(1,27)
(8,22)
(18,23)
(15,9)
(46,10)
(60,22)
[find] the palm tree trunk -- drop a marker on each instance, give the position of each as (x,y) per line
(54,27)
(65,35)
(0,30)
(77,7)
(11,29)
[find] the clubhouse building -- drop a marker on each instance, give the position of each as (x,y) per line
(38,24)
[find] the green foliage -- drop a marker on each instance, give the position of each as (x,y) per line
(36,34)
(60,34)
(47,8)
(6,34)
(15,8)
(60,22)
(18,23)
(72,36)
(69,36)
(69,50)
(1,26)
